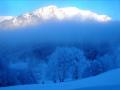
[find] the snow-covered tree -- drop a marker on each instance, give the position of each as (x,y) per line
(66,62)
(26,77)
(94,68)
(116,56)
(40,72)
(108,61)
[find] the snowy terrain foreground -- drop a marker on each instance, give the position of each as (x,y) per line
(106,81)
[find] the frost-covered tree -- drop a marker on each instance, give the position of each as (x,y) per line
(111,60)
(116,60)
(26,77)
(94,68)
(23,73)
(40,72)
(15,75)
(3,72)
(7,76)
(108,61)
(66,62)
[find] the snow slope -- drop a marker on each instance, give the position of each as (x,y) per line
(106,81)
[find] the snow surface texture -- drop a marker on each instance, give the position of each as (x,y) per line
(49,13)
(106,81)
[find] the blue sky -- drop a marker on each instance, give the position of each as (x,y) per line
(17,7)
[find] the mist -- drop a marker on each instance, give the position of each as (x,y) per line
(63,32)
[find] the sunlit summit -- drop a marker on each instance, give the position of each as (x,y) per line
(51,13)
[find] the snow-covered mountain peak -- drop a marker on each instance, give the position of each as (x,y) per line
(3,18)
(49,13)
(69,12)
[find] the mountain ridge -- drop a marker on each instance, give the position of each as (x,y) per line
(49,13)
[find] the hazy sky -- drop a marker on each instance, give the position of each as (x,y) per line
(17,7)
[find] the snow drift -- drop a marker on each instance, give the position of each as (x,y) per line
(109,81)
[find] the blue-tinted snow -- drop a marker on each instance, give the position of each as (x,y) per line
(105,81)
